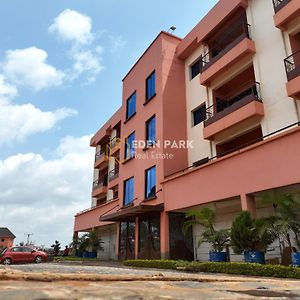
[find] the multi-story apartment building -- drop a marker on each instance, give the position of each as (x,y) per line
(231,87)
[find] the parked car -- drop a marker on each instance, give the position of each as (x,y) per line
(22,255)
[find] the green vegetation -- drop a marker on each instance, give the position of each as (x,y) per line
(225,268)
(73,258)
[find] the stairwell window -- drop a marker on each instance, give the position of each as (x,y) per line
(150,183)
(199,115)
(150,87)
(128,191)
(196,68)
(131,106)
(151,131)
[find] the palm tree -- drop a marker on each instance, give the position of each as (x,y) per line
(206,218)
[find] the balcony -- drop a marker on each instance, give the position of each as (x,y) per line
(101,158)
(234,47)
(287,15)
(292,67)
(230,113)
(114,145)
(113,175)
(100,187)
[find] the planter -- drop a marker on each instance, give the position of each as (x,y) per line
(92,254)
(218,256)
(85,254)
(256,257)
(296,259)
(79,254)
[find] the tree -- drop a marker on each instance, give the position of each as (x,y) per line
(218,239)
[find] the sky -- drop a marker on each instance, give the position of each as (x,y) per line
(61,67)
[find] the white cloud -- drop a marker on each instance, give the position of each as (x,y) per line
(73,26)
(29,67)
(6,89)
(42,195)
(17,122)
(117,43)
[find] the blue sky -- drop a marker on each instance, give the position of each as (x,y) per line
(58,85)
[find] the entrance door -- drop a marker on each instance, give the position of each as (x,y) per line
(149,237)
(127,240)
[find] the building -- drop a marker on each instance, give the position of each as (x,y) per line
(232,87)
(6,237)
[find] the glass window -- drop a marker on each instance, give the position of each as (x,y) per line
(151,131)
(129,147)
(127,240)
(150,185)
(128,191)
(196,68)
(131,106)
(150,86)
(199,115)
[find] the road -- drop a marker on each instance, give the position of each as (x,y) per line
(68,281)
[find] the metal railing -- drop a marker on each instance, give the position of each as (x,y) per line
(113,174)
(228,41)
(292,65)
(114,142)
(100,182)
(101,153)
(279,4)
(251,92)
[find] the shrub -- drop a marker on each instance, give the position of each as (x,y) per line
(248,269)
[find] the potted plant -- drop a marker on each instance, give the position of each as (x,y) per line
(286,222)
(251,237)
(218,239)
(83,242)
(94,243)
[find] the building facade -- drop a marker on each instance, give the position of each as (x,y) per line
(208,120)
(6,238)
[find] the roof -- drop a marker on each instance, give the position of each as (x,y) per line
(6,233)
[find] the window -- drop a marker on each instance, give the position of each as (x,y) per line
(129,147)
(131,106)
(199,115)
(128,191)
(2,240)
(151,131)
(196,68)
(150,86)
(150,184)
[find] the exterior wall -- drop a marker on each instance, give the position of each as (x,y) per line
(6,242)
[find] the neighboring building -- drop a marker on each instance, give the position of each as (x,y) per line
(6,237)
(232,86)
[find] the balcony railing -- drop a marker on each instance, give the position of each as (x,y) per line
(100,182)
(228,41)
(292,65)
(223,107)
(100,154)
(113,174)
(279,4)
(114,142)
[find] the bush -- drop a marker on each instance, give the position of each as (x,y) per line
(159,264)
(225,268)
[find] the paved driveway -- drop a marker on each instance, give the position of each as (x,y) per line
(68,281)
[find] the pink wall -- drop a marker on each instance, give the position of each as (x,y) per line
(8,242)
(263,166)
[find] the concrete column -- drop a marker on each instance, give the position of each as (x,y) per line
(164,235)
(118,240)
(136,244)
(248,204)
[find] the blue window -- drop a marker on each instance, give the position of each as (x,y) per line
(131,106)
(151,131)
(128,191)
(150,183)
(129,146)
(150,86)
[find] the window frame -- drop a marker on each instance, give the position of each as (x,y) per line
(148,171)
(150,142)
(129,147)
(203,105)
(127,106)
(153,86)
(128,192)
(197,61)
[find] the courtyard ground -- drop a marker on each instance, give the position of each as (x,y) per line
(113,281)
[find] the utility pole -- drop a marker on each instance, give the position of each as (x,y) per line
(28,237)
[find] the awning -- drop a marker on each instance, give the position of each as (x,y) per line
(130,212)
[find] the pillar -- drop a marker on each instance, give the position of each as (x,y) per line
(136,244)
(248,204)
(164,235)
(118,240)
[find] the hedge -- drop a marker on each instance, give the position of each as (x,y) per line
(225,268)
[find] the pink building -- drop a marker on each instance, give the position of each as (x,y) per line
(219,112)
(6,237)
